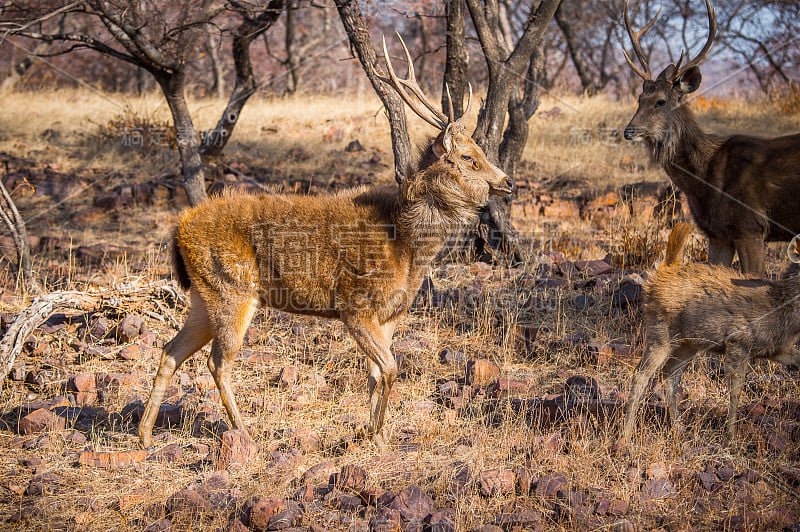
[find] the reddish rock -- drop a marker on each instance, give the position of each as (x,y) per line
(602,506)
(525,480)
(236,525)
(413,503)
(708,480)
(187,503)
(548,485)
(505,387)
(481,372)
(658,488)
(386,520)
(41,420)
(171,453)
(288,376)
(593,267)
(623,525)
(262,511)
(351,477)
(319,473)
(236,448)
(443,520)
(497,482)
(130,352)
(99,328)
(618,507)
(129,328)
(111,459)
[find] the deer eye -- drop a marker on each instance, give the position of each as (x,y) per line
(466,158)
(661,103)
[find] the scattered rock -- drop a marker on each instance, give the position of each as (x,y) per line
(443,520)
(386,520)
(497,482)
(111,459)
(236,448)
(187,503)
(618,507)
(41,420)
(593,267)
(658,488)
(169,454)
(130,328)
(288,376)
(162,525)
(262,510)
(413,503)
(351,478)
(354,146)
(548,485)
(523,518)
(481,372)
(626,295)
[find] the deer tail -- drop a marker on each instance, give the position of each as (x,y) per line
(676,242)
(178,264)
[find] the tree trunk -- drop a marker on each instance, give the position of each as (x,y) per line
(172,85)
(245,83)
(291,56)
(360,43)
(455,67)
(505,72)
(16,226)
(573,44)
(218,73)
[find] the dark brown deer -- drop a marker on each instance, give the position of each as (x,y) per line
(692,308)
(359,256)
(742,190)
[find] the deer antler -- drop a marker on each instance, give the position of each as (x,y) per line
(712,32)
(637,47)
(428,111)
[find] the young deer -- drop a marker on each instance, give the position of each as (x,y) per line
(741,189)
(699,307)
(359,256)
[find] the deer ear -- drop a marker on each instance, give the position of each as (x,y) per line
(689,80)
(794,249)
(444,142)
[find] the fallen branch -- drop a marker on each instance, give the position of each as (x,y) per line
(44,306)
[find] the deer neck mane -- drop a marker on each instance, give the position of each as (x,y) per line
(687,150)
(426,213)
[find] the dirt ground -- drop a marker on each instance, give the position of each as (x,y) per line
(512,378)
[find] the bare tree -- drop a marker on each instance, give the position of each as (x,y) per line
(161,39)
(254,22)
(506,66)
(455,66)
(16,226)
(361,46)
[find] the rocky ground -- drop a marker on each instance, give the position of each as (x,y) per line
(505,416)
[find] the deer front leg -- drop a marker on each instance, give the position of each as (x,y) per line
(374,339)
(653,359)
(751,255)
(196,333)
(720,252)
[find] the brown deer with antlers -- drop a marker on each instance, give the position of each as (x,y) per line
(742,190)
(359,256)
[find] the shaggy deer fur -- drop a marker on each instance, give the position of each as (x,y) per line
(741,189)
(698,307)
(359,256)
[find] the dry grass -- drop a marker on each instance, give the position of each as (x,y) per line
(490,313)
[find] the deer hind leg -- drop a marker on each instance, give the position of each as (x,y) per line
(653,359)
(751,255)
(375,341)
(196,333)
(736,364)
(672,373)
(720,252)
(229,330)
